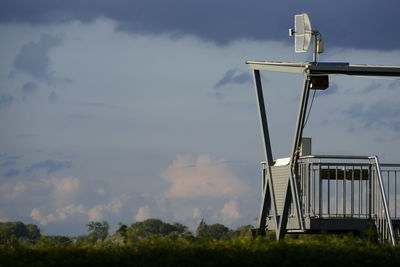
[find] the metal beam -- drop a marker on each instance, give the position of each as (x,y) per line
(292,193)
(326,68)
(356,70)
(296,149)
(263,118)
(267,190)
(274,67)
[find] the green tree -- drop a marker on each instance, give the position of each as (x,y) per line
(97,230)
(156,227)
(55,240)
(243,231)
(33,231)
(213,231)
(201,229)
(15,232)
(122,232)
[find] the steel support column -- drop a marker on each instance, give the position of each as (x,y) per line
(268,196)
(292,192)
(263,118)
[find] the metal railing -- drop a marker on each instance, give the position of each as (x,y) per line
(351,187)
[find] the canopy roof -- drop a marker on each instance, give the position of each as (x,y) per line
(325,68)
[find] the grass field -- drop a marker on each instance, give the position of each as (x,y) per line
(323,251)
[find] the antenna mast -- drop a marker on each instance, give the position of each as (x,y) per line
(303,33)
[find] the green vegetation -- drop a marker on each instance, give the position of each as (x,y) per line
(13,233)
(157,243)
(98,231)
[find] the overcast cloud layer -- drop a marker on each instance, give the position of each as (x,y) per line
(358,23)
(127,110)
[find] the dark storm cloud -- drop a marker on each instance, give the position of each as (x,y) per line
(101,105)
(7,157)
(75,116)
(6,100)
(33,58)
(380,114)
(233,76)
(333,89)
(50,166)
(29,87)
(361,24)
(8,163)
(394,85)
(377,86)
(11,173)
(52,97)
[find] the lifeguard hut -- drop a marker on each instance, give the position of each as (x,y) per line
(308,193)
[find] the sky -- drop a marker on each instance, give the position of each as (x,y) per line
(127,110)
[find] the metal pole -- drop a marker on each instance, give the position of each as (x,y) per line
(385,205)
(308,175)
(268,197)
(352,193)
(395,194)
(329,193)
(320,205)
(292,189)
(295,149)
(370,192)
(263,118)
(344,192)
(314,191)
(360,207)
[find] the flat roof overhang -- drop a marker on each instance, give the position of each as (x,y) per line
(325,68)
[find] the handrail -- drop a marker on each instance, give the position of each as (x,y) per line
(365,173)
(385,206)
(334,157)
(381,212)
(390,165)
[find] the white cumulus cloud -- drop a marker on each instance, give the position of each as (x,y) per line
(59,215)
(143,213)
(97,213)
(196,213)
(64,186)
(201,177)
(17,190)
(230,211)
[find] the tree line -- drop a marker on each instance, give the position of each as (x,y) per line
(14,234)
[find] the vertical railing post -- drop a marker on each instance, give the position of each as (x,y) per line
(329,192)
(344,192)
(352,192)
(320,210)
(395,193)
(370,198)
(386,211)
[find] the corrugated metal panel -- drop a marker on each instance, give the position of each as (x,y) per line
(280,179)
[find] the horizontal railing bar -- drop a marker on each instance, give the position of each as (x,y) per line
(342,157)
(337,164)
(390,165)
(349,186)
(335,157)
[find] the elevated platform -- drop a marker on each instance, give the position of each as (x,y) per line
(331,193)
(337,194)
